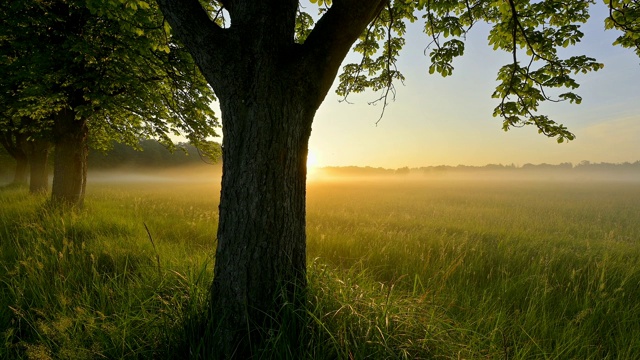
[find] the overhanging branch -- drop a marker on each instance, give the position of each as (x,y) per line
(332,37)
(193,27)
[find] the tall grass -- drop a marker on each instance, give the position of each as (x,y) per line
(86,284)
(525,270)
(401,269)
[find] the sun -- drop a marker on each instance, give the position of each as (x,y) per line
(312,160)
(313,170)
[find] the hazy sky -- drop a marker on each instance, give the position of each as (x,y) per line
(437,120)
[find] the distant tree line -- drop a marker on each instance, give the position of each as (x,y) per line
(147,154)
(562,167)
(566,167)
(152,154)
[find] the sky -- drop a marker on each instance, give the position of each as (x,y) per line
(448,121)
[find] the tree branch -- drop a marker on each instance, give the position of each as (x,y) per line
(227,4)
(334,34)
(193,27)
(362,61)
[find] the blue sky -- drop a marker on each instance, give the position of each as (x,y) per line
(437,120)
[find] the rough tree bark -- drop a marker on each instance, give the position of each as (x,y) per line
(269,89)
(261,257)
(70,161)
(38,153)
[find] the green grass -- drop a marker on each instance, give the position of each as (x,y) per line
(526,270)
(87,284)
(398,269)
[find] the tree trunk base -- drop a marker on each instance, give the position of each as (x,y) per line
(277,335)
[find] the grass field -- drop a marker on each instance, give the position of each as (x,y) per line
(398,269)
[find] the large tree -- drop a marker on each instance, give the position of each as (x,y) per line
(271,66)
(99,70)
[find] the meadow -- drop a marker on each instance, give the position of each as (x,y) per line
(405,268)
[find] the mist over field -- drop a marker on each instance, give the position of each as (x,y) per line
(185,174)
(206,173)
(186,164)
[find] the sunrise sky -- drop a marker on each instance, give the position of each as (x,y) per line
(436,121)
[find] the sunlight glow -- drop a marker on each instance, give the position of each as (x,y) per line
(312,160)
(312,165)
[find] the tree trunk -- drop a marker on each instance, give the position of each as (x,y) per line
(14,143)
(262,216)
(70,160)
(22,164)
(38,152)
(269,89)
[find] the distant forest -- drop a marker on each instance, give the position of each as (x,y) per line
(565,168)
(151,154)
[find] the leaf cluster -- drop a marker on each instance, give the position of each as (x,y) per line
(379,47)
(535,32)
(624,15)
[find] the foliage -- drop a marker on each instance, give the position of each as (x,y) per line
(624,15)
(532,32)
(113,62)
(398,269)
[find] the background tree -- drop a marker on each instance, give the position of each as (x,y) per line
(271,69)
(25,141)
(38,149)
(100,69)
(13,142)
(7,166)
